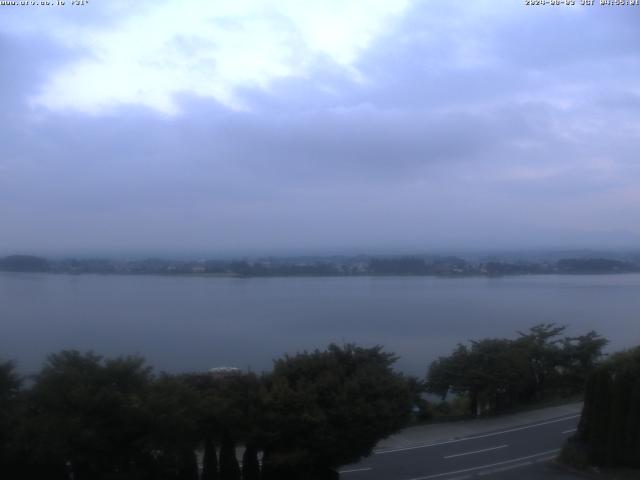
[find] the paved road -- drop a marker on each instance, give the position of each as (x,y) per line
(526,449)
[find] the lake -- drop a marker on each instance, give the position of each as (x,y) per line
(195,323)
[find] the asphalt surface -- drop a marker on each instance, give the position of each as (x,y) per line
(522,451)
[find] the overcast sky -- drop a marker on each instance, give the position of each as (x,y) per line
(326,126)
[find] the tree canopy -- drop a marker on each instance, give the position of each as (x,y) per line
(496,374)
(329,408)
(99,418)
(609,429)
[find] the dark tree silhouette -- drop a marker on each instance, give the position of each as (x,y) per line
(209,461)
(250,465)
(188,465)
(229,468)
(9,390)
(329,408)
(496,374)
(93,418)
(609,429)
(89,413)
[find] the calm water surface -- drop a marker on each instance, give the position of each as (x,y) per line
(194,323)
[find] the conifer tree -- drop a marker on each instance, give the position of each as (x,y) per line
(620,404)
(188,465)
(599,421)
(210,461)
(587,409)
(632,433)
(229,468)
(250,465)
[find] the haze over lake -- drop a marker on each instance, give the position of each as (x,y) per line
(195,323)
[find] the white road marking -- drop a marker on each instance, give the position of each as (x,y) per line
(393,450)
(365,469)
(476,451)
(515,460)
(569,431)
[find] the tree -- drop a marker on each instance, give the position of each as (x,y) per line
(188,466)
(455,374)
(491,373)
(541,344)
(499,370)
(10,384)
(173,433)
(229,468)
(229,411)
(421,407)
(250,465)
(496,374)
(443,372)
(599,429)
(209,461)
(88,413)
(632,433)
(581,356)
(609,429)
(617,425)
(328,408)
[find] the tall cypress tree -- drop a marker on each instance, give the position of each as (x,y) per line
(188,465)
(620,400)
(229,468)
(599,422)
(610,423)
(267,471)
(210,461)
(586,419)
(632,431)
(250,465)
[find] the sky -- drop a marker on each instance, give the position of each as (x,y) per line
(259,126)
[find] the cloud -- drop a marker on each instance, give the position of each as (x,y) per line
(320,124)
(210,49)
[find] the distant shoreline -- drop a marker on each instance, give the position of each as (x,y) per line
(364,275)
(354,266)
